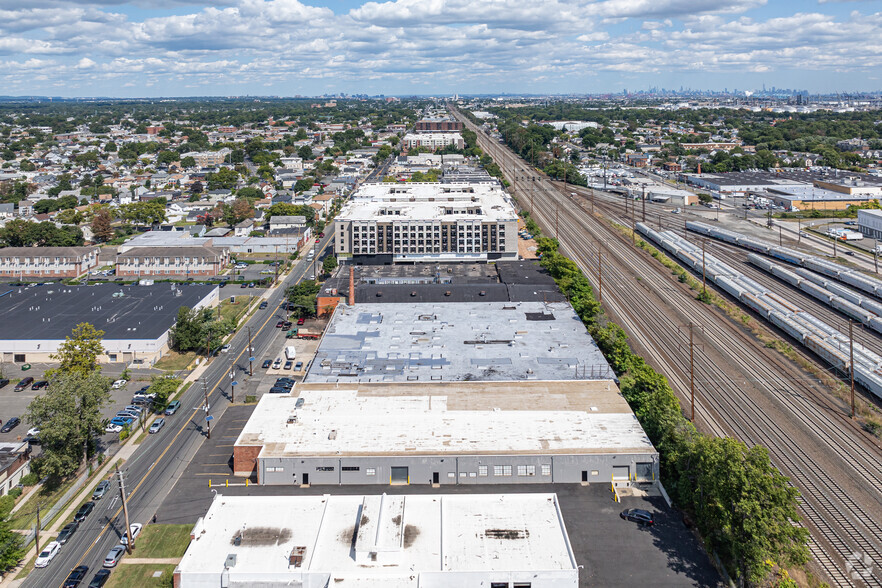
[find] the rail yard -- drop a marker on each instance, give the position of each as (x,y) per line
(742,387)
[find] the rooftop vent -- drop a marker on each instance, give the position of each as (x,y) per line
(231,561)
(296,557)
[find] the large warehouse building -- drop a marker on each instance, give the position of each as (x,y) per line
(428,222)
(401,541)
(135,319)
(457,341)
(446,434)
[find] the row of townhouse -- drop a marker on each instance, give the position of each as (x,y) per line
(154,262)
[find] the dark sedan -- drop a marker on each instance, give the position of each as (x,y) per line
(40,385)
(84,512)
(10,424)
(76,576)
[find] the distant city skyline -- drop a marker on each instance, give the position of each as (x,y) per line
(141,48)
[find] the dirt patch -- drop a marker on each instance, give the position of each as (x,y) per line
(411,532)
(396,519)
(507,533)
(261,536)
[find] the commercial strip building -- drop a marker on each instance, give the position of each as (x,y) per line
(172,262)
(401,541)
(47,262)
(433,140)
(457,433)
(289,243)
(135,319)
(428,222)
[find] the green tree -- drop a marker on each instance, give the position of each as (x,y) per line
(329,264)
(224,178)
(26,166)
(163,388)
(11,545)
(285,209)
(70,216)
(187,332)
(144,213)
(79,352)
(303,296)
(303,185)
(68,415)
(250,193)
(305,152)
(167,157)
(188,162)
(110,147)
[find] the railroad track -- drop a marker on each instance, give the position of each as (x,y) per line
(769,401)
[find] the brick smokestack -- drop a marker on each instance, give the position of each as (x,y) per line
(351,285)
(699,168)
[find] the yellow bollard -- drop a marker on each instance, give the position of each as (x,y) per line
(246,482)
(228,482)
(209,482)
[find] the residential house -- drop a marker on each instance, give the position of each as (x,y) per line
(15,463)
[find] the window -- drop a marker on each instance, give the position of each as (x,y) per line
(482,470)
(498,584)
(324,468)
(546,470)
(502,470)
(526,470)
(370,471)
(350,468)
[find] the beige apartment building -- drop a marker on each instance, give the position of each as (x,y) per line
(47,262)
(172,262)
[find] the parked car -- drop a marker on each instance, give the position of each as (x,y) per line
(119,384)
(76,576)
(100,490)
(279,324)
(278,390)
(3,382)
(638,515)
(112,428)
(156,426)
(244,285)
(226,348)
(278,363)
(298,367)
(40,385)
(172,407)
(250,284)
(300,321)
(49,551)
(114,555)
(84,511)
(135,530)
(263,305)
(100,579)
(34,431)
(122,422)
(24,383)
(286,325)
(10,424)
(68,531)
(267,363)
(134,409)
(289,364)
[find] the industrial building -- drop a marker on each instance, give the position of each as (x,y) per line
(503,281)
(457,341)
(135,319)
(387,541)
(870,223)
(396,223)
(456,433)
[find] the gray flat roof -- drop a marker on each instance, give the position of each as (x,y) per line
(50,312)
(457,341)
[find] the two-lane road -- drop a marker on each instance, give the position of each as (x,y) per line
(160,459)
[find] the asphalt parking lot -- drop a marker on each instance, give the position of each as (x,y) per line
(612,551)
(15,404)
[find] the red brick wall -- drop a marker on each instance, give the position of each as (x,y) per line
(245,459)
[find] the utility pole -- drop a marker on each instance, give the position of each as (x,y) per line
(691,375)
(556,225)
(799,230)
(130,543)
(780,236)
(599,272)
(250,354)
(834,247)
(37,531)
(232,381)
(591,191)
(851,361)
(205,407)
(208,346)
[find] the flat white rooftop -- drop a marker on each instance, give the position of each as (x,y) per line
(457,341)
(474,418)
(391,541)
(388,202)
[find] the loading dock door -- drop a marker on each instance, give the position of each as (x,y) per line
(399,475)
(644,472)
(621,472)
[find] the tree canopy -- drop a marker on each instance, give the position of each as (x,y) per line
(79,352)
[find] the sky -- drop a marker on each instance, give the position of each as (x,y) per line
(147,48)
